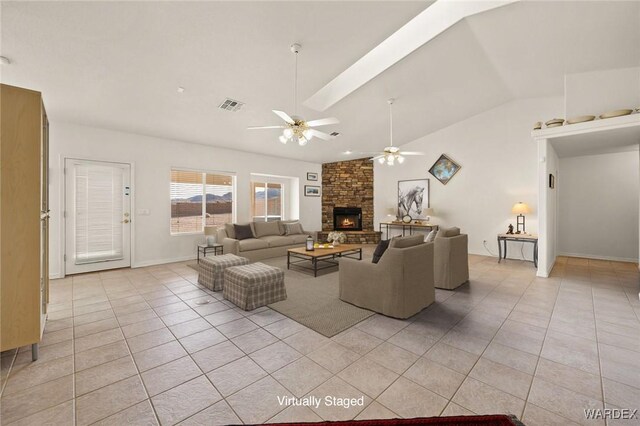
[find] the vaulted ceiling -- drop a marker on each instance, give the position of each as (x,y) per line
(118,64)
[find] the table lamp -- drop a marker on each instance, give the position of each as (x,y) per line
(392,214)
(520,209)
(210,233)
(429,212)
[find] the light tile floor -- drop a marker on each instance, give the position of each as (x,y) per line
(135,347)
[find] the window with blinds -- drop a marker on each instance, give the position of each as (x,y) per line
(99,211)
(267,201)
(200,199)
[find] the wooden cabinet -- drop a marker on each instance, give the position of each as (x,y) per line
(24,205)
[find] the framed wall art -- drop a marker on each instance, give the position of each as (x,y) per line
(413,198)
(444,169)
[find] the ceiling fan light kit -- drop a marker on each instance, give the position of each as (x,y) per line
(391,155)
(296,129)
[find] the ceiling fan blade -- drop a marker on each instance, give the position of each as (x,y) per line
(410,153)
(322,122)
(265,127)
(321,135)
(284,116)
(376,157)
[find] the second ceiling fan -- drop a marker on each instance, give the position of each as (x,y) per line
(391,154)
(297,129)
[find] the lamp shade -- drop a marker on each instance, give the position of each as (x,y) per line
(429,211)
(520,208)
(210,230)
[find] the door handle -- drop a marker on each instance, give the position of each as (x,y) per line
(126,221)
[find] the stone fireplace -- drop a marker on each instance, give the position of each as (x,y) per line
(347,219)
(346,184)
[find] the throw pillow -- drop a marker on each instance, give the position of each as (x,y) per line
(431,236)
(293,228)
(243,232)
(383,245)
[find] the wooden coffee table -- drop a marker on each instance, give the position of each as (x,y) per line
(321,258)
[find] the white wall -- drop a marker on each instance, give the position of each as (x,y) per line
(153,159)
(499,168)
(599,206)
(596,92)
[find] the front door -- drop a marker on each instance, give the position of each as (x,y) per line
(98,215)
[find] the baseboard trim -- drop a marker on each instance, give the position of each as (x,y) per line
(596,257)
(162,261)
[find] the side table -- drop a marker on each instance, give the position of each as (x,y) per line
(216,248)
(504,238)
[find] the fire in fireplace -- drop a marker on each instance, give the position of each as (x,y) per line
(347,218)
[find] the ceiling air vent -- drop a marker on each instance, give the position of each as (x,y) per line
(231,105)
(334,134)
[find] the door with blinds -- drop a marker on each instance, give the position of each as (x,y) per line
(98,215)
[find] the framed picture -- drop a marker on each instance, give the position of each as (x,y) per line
(311,191)
(413,198)
(312,176)
(552,181)
(444,169)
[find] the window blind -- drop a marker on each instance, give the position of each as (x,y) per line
(99,199)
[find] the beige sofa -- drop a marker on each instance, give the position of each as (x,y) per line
(269,240)
(451,259)
(400,285)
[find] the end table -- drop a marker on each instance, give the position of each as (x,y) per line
(216,248)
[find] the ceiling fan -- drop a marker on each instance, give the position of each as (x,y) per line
(390,154)
(296,128)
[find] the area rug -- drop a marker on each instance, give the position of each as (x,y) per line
(314,302)
(490,420)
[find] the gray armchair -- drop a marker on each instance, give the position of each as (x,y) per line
(400,285)
(451,259)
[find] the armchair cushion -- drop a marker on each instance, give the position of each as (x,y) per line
(449,232)
(404,242)
(383,245)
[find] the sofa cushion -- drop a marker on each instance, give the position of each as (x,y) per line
(293,228)
(262,229)
(252,244)
(404,242)
(383,245)
(243,232)
(231,231)
(278,240)
(448,232)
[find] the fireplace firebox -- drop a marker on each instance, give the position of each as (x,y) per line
(347,218)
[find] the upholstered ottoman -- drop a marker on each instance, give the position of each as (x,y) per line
(254,285)
(211,269)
